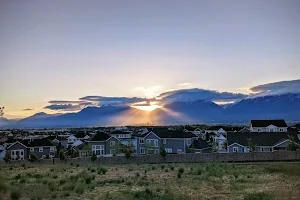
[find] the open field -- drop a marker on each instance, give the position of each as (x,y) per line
(154,181)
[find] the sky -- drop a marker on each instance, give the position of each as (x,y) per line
(67,50)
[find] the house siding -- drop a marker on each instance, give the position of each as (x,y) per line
(240,148)
(46,151)
(175,145)
(18,146)
(107,145)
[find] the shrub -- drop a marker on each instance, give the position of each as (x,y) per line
(102,170)
(18,176)
(15,194)
(137,174)
(199,172)
(79,189)
(3,186)
(71,164)
(77,165)
(93,170)
(172,168)
(32,157)
(7,157)
(259,196)
(66,194)
(22,180)
(62,181)
(93,157)
(54,196)
(179,175)
(162,166)
(181,170)
(23,165)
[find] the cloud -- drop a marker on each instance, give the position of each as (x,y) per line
(27,109)
(65,102)
(101,100)
(64,107)
(198,94)
(277,88)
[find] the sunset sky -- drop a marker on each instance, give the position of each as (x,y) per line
(67,50)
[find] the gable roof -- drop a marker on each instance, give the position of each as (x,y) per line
(265,123)
(173,134)
(43,142)
(200,144)
(100,136)
(119,132)
(260,139)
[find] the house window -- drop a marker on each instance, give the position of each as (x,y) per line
(98,149)
(164,141)
(271,130)
(188,142)
(156,151)
(31,149)
(112,151)
(168,150)
(281,129)
(51,149)
(142,150)
(112,143)
(152,142)
(258,130)
(235,149)
(179,151)
(141,141)
(41,149)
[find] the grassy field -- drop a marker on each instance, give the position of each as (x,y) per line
(155,181)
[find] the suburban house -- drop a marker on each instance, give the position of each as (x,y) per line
(264,142)
(103,144)
(40,147)
(201,146)
(172,141)
(268,126)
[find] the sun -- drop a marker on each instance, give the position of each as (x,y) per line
(146,106)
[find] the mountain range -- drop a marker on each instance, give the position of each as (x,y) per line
(284,106)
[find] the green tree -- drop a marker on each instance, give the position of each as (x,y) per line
(7,157)
(62,155)
(225,145)
(292,144)
(214,146)
(1,111)
(162,152)
(251,145)
(32,157)
(93,157)
(127,149)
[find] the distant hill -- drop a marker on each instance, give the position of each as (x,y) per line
(286,106)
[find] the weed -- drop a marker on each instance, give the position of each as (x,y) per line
(259,196)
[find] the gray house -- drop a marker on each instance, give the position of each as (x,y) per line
(40,147)
(172,141)
(103,144)
(264,142)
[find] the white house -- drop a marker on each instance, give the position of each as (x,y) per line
(268,126)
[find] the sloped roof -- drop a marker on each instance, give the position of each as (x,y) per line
(260,139)
(119,132)
(100,136)
(37,142)
(164,133)
(200,144)
(265,123)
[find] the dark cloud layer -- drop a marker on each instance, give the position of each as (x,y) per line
(177,95)
(199,94)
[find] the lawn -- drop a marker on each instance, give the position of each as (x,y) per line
(151,181)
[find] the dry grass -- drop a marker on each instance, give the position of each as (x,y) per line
(155,181)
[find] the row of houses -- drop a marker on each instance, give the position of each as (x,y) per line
(265,135)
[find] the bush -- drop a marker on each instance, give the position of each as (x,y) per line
(77,165)
(7,157)
(94,157)
(32,157)
(102,170)
(137,174)
(79,189)
(181,170)
(3,186)
(15,194)
(54,196)
(93,170)
(162,167)
(172,168)
(259,196)
(179,175)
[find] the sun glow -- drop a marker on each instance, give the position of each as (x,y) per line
(146,106)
